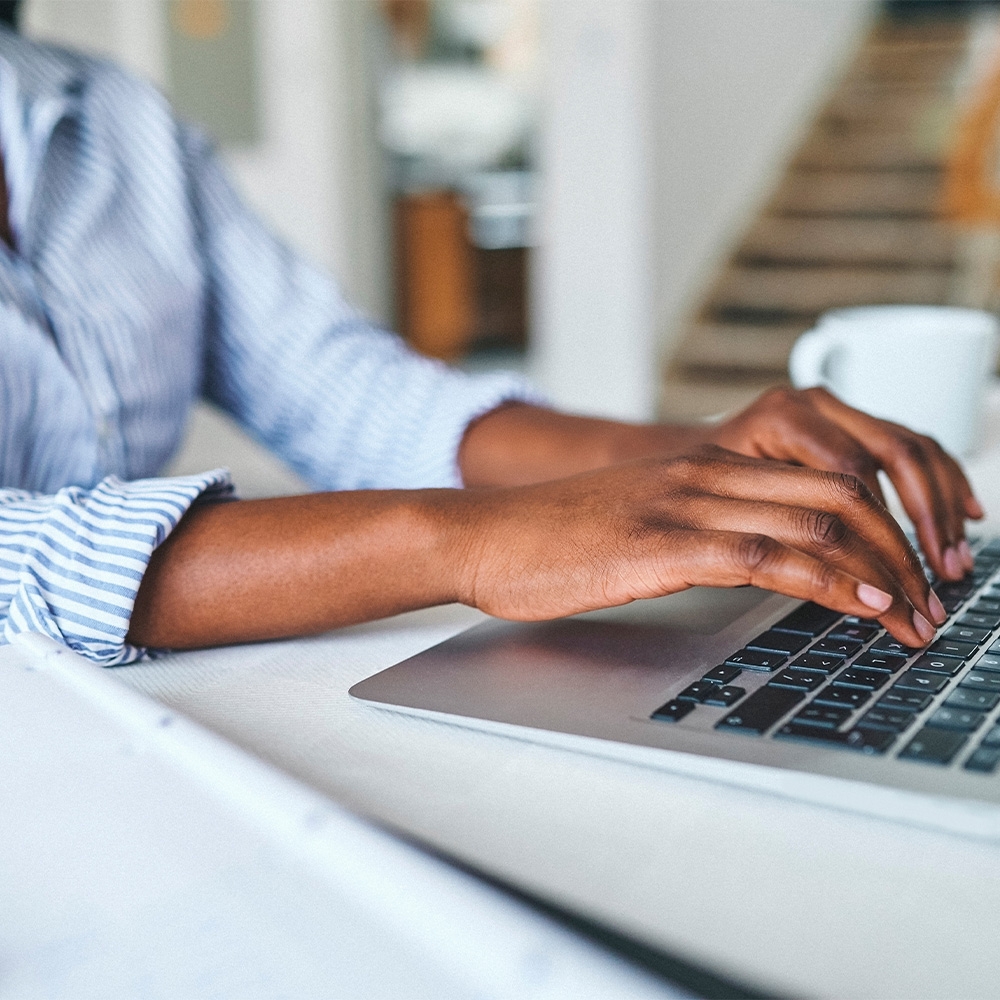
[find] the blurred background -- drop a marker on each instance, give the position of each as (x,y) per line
(640,203)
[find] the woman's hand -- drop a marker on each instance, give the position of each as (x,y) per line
(814,428)
(710,517)
(522,444)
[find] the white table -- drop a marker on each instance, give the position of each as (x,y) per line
(795,898)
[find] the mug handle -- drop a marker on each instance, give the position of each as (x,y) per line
(807,364)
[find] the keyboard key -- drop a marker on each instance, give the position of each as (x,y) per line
(870,741)
(805,680)
(920,680)
(810,619)
(956,718)
(824,716)
(992,738)
(855,620)
(934,746)
(880,661)
(955,588)
(951,647)
(836,647)
(979,680)
(889,645)
(754,659)
(963,633)
(823,662)
(779,642)
(673,711)
(984,759)
(986,606)
(975,619)
(909,701)
(854,633)
(977,701)
(722,674)
(895,720)
(990,662)
(725,695)
(949,665)
(843,697)
(761,710)
(698,691)
(872,680)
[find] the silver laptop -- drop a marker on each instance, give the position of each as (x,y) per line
(748,687)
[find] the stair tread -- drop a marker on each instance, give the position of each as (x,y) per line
(850,241)
(804,290)
(854,191)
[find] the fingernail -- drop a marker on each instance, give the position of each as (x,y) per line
(952,564)
(965,553)
(975,508)
(872,597)
(937,608)
(924,628)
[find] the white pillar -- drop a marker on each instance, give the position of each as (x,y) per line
(594,349)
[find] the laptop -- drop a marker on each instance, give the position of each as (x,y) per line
(747,687)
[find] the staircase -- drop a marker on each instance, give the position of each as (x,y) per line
(853,221)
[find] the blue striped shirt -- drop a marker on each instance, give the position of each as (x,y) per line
(138,282)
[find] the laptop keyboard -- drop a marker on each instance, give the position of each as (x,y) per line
(843,682)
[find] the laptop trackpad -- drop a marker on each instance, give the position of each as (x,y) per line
(701,610)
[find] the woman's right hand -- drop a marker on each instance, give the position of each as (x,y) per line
(710,517)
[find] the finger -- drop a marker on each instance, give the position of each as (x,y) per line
(973,508)
(826,537)
(802,434)
(733,559)
(741,477)
(952,487)
(922,485)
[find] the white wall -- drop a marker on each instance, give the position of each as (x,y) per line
(593,323)
(735,83)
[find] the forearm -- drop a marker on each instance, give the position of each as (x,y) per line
(520,444)
(265,569)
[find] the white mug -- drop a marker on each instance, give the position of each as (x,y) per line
(926,367)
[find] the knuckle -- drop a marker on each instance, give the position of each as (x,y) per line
(824,579)
(754,551)
(850,489)
(911,448)
(859,464)
(826,530)
(816,392)
(929,444)
(780,396)
(694,465)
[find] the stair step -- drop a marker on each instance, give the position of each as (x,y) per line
(913,242)
(806,291)
(734,346)
(871,149)
(847,192)
(857,108)
(905,63)
(894,31)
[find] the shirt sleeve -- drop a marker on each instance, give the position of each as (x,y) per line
(71,562)
(346,404)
